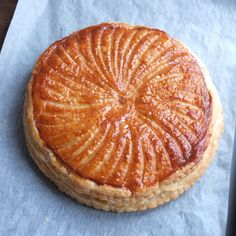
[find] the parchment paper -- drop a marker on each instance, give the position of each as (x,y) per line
(29,203)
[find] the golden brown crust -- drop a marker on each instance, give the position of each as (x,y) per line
(121,105)
(110,198)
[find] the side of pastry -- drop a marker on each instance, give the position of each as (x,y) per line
(122,118)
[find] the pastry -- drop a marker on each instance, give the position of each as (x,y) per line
(120,117)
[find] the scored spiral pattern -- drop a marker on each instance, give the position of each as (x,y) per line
(121,105)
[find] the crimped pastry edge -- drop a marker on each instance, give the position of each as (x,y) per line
(110,198)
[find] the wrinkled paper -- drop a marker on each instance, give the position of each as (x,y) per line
(30,204)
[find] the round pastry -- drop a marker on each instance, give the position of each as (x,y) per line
(122,118)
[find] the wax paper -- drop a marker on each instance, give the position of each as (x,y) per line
(30,204)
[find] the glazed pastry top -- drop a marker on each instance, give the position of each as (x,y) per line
(121,105)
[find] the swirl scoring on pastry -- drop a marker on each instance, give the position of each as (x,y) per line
(121,105)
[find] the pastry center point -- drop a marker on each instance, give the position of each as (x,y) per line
(122,100)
